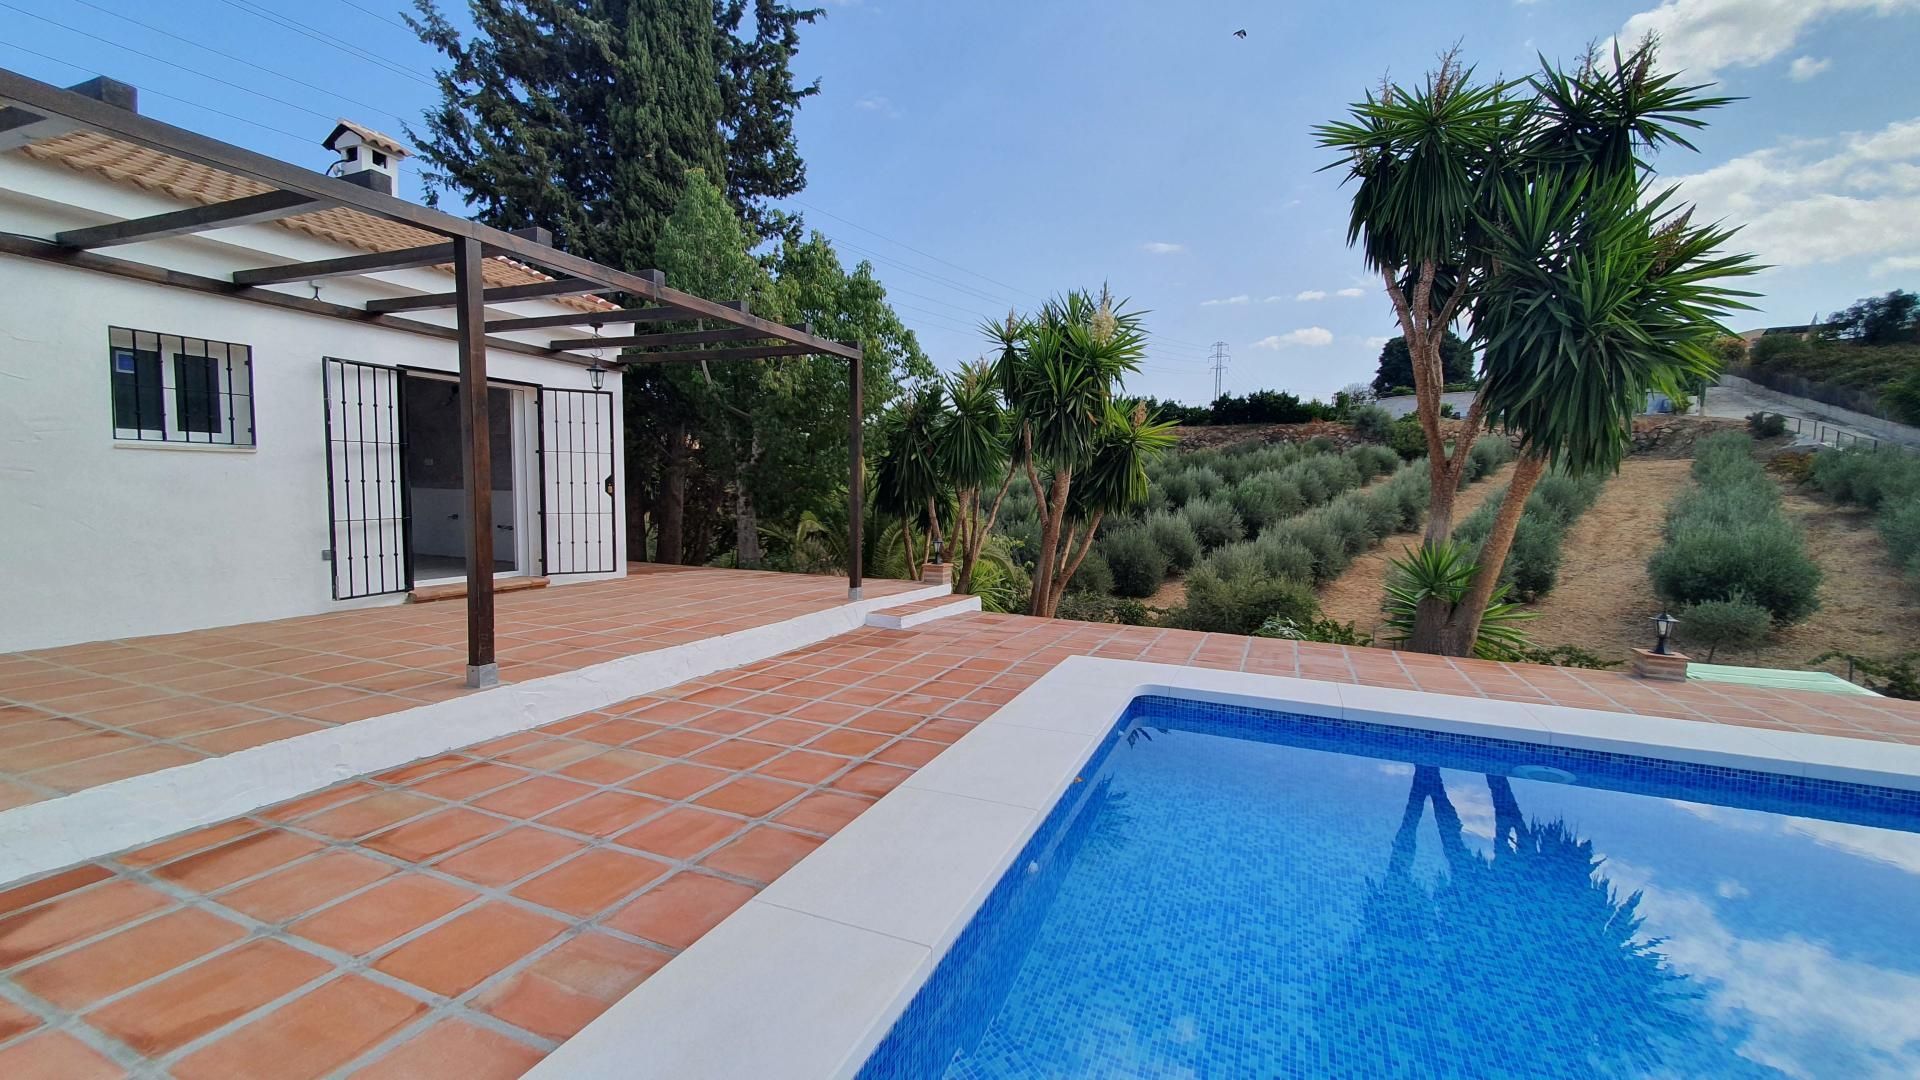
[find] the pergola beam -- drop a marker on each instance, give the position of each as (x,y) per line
(592,318)
(247,210)
(504,294)
(50,100)
(763,352)
(685,337)
(403,259)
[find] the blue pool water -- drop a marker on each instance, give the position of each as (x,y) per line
(1229,893)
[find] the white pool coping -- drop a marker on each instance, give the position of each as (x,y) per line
(806,978)
(94,822)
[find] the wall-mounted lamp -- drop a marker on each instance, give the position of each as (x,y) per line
(597,373)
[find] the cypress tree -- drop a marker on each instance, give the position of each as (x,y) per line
(760,99)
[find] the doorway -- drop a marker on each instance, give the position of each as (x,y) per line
(436,477)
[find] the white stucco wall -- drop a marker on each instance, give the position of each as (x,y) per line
(102,539)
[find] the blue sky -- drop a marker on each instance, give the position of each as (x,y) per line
(987,154)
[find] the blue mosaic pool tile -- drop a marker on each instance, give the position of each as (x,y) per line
(1239,892)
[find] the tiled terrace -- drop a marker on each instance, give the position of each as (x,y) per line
(459,916)
(83,715)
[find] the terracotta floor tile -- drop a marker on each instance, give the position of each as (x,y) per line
(848,742)
(360,817)
(298,808)
(941,731)
(884,721)
(258,733)
(676,781)
(674,743)
(871,779)
(175,1011)
(681,833)
(802,766)
(45,755)
(725,722)
(473,778)
(823,813)
(454,1050)
(910,753)
(736,754)
(826,712)
(77,979)
(611,767)
(15,1020)
(531,798)
(510,856)
(420,770)
(74,916)
(56,1055)
(435,834)
(752,796)
(603,814)
(187,843)
(563,991)
(237,859)
(382,913)
(456,957)
(763,854)
(33,892)
(786,732)
(307,1037)
(92,772)
(590,883)
(298,889)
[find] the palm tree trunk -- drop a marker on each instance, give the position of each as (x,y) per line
(1071,568)
(670,511)
(1464,627)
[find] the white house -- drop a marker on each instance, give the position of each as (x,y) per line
(210,415)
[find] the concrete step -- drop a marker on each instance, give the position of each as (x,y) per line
(457,590)
(922,611)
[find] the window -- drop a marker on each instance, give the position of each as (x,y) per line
(174,389)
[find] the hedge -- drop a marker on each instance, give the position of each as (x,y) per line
(1727,537)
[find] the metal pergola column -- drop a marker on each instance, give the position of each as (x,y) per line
(857,476)
(476,460)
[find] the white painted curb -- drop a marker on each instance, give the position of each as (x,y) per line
(44,836)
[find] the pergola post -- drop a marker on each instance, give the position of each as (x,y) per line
(476,459)
(857,474)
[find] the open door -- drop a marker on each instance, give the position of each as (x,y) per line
(367,504)
(578,509)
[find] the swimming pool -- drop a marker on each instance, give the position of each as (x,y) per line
(1233,892)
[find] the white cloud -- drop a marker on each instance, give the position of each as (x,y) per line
(1161,247)
(1273,299)
(1311,294)
(1310,337)
(1821,200)
(1704,36)
(1376,342)
(1350,293)
(877,105)
(1806,67)
(1228,301)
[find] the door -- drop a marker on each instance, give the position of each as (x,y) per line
(367,498)
(436,476)
(578,511)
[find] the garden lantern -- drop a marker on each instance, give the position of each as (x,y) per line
(938,547)
(597,373)
(1663,625)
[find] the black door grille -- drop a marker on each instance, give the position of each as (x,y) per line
(579,513)
(368,505)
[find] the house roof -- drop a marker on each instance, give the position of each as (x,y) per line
(379,140)
(128,163)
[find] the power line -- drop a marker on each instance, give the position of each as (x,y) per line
(1218,361)
(163,94)
(242,60)
(167,62)
(321,36)
(385,19)
(1021,293)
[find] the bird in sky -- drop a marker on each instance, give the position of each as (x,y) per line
(1239,33)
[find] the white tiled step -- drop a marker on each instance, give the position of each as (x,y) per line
(922,611)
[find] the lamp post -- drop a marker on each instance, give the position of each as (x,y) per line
(1663,625)
(938,548)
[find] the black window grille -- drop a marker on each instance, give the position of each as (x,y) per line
(177,389)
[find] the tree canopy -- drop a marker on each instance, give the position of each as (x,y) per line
(1893,319)
(1396,364)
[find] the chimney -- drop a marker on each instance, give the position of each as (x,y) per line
(367,157)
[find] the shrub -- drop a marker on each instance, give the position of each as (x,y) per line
(1371,422)
(1240,604)
(1213,522)
(1265,498)
(1090,607)
(1327,631)
(1137,564)
(1734,623)
(1488,453)
(1349,519)
(1866,478)
(1766,425)
(1094,576)
(1175,539)
(1284,558)
(1193,482)
(1406,438)
(1373,461)
(1766,560)
(1900,527)
(1313,534)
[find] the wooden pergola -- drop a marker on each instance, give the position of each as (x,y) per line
(34,110)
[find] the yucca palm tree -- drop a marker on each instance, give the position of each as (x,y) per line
(971,440)
(1523,207)
(1113,481)
(1057,372)
(908,482)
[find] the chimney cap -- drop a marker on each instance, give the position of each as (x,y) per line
(376,139)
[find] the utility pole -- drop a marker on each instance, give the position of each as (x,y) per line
(1218,361)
